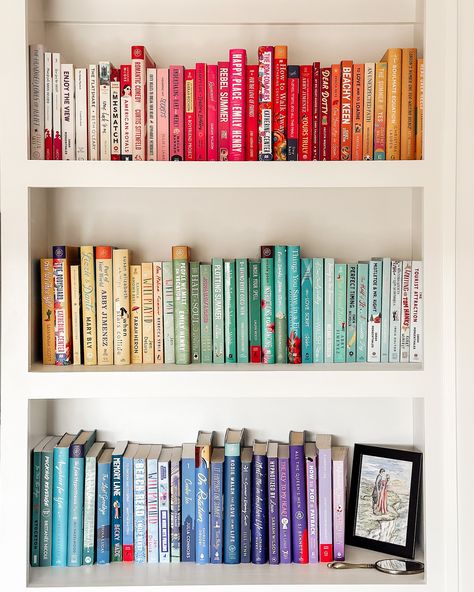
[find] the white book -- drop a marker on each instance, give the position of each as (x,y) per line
(405,318)
(93,112)
(126,113)
(152,504)
(164,504)
(374,325)
(158,311)
(90,485)
(104,106)
(48,106)
(37,102)
(81,113)
(416,308)
(385,331)
(151,124)
(68,119)
(115,114)
(395,311)
(328,309)
(168,311)
(57,125)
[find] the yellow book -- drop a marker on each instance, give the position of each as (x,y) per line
(47,310)
(368,127)
(420,105)
(76,314)
(380,119)
(158,311)
(121,293)
(136,313)
(393,58)
(105,306)
(407,118)
(89,327)
(147,313)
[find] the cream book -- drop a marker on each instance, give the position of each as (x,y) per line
(89,328)
(121,293)
(147,313)
(105,307)
(136,313)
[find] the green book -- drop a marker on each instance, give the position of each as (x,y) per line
(195,312)
(206,313)
(230,337)
(46,518)
(267,290)
(168,311)
(281,323)
(242,320)
(182,338)
(254,313)
(36,500)
(340,301)
(218,310)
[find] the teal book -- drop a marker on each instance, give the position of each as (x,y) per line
(230,331)
(181,298)
(36,454)
(195,305)
(385,337)
(328,310)
(218,310)
(374,311)
(294,304)
(242,320)
(206,312)
(281,319)
(318,310)
(46,520)
(60,500)
(255,330)
(267,289)
(362,290)
(351,334)
(307,311)
(340,302)
(77,452)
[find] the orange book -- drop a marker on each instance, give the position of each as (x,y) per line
(407,117)
(335,111)
(393,57)
(380,107)
(47,310)
(357,110)
(368,131)
(346,110)
(420,104)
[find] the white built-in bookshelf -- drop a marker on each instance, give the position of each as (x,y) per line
(349,210)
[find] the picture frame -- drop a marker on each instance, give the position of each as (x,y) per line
(384,499)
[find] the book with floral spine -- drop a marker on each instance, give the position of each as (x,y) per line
(281,320)
(280,100)
(294,304)
(267,289)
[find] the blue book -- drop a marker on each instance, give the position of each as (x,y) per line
(273,498)
(139,503)
(233,440)
(127,502)
(259,504)
(318,310)
(104,474)
(385,337)
(36,454)
(217,504)
(46,521)
(117,518)
(77,452)
(351,336)
(328,310)
(294,304)
(307,311)
(362,290)
(60,500)
(246,505)
(188,503)
(203,463)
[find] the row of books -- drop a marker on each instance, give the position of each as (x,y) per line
(200,503)
(229,110)
(283,308)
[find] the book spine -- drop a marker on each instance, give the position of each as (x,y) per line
(273,520)
(89,321)
(47,310)
(358,111)
(181,289)
(318,310)
(218,311)
(266,58)
(362,306)
(416,308)
(35,508)
(336,112)
(147,314)
(393,57)
(151,106)
(212,112)
(88,548)
(259,536)
(201,111)
(267,288)
(230,337)
(62,309)
(299,524)
(328,310)
(281,319)
(121,294)
(351,336)
(420,107)
(139,510)
(188,513)
(251,114)
(116,508)
(115,147)
(60,506)
(340,313)
(325,110)
(80,80)
(48,106)
(408,105)
(175,507)
(223,111)
(206,295)
(158,311)
(103,513)
(374,311)
(294,304)
(126,112)
(152,511)
(280,96)
(232,474)
(339,506)
(164,511)
(68,119)
(93,112)
(395,311)
(325,505)
(255,323)
(368,131)
(195,312)
(37,127)
(76,314)
(245,516)
(237,102)
(217,522)
(293,112)
(284,510)
(162,101)
(140,63)
(57,128)
(47,493)
(105,74)
(176,113)
(202,508)
(75,506)
(242,315)
(128,552)
(385,329)
(380,110)
(190,114)
(168,312)
(346,110)
(312,503)
(305,134)
(316,108)
(307,311)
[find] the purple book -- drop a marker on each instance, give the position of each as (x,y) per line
(259,537)
(339,477)
(299,523)
(312,500)
(323,444)
(284,502)
(273,531)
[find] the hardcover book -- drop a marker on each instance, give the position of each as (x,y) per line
(162,100)
(158,330)
(395,310)
(223,111)
(128,551)
(76,314)
(280,100)
(267,288)
(346,110)
(105,305)
(351,331)
(305,134)
(218,310)
(164,507)
(168,312)
(147,313)
(266,58)
(323,445)
(329,309)
(121,295)
(369,94)
(201,111)
(203,459)
(362,308)
(273,499)
(47,310)
(393,58)
(206,296)
(311,456)
(259,536)
(336,112)
(217,504)
(232,445)
(416,310)
(46,500)
(374,331)
(153,521)
(299,522)
(358,111)
(195,311)
(408,105)
(139,503)
(63,258)
(251,114)
(105,138)
(36,455)
(294,304)
(103,506)
(307,310)
(126,113)
(293,112)
(175,504)
(89,322)
(237,102)
(141,61)
(188,501)
(212,90)
(60,500)
(339,477)
(340,301)
(242,320)
(380,110)
(116,503)
(254,313)
(90,489)
(176,106)
(246,457)
(284,508)
(281,319)
(230,336)
(325,115)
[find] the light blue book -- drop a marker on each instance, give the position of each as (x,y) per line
(281,318)
(242,281)
(104,483)
(307,311)
(203,464)
(188,503)
(351,336)
(60,500)
(139,503)
(233,440)
(328,310)
(77,452)
(230,332)
(127,502)
(218,310)
(362,303)
(318,310)
(293,255)
(385,340)
(340,302)
(374,311)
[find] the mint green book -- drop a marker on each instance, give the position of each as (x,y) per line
(385,337)
(340,302)
(281,321)
(318,310)
(362,290)
(267,290)
(328,310)
(181,296)
(255,331)
(242,320)
(168,311)
(351,336)
(218,310)
(195,304)
(206,313)
(230,332)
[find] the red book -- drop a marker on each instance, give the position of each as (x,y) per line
(212,139)
(316,100)
(237,103)
(223,111)
(251,124)
(141,61)
(265,105)
(280,101)
(305,144)
(357,111)
(346,110)
(325,115)
(189,115)
(176,113)
(336,112)
(201,112)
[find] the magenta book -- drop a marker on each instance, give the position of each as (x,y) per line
(201,111)
(312,500)
(212,112)
(223,111)
(162,102)
(189,114)
(176,113)
(237,63)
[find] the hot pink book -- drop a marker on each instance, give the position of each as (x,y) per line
(223,111)
(212,152)
(163,122)
(201,112)
(140,62)
(190,114)
(251,114)
(237,75)
(176,112)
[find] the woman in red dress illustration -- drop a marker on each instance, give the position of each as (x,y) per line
(383,495)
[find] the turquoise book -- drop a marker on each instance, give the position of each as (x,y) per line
(351,335)
(36,501)
(328,310)
(318,310)
(255,329)
(77,452)
(281,319)
(374,311)
(206,312)
(46,519)
(267,288)
(242,320)
(362,290)
(293,254)
(385,337)
(195,305)
(60,500)
(230,332)
(307,310)
(218,310)
(340,302)
(232,444)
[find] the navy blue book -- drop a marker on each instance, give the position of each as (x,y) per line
(233,440)
(246,457)
(259,504)
(117,514)
(217,503)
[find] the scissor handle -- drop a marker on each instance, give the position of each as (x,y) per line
(346,565)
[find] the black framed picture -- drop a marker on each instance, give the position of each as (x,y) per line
(383,501)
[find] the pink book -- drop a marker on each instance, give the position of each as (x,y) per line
(339,478)
(176,112)
(237,74)
(223,111)
(201,112)
(190,115)
(212,112)
(163,124)
(140,62)
(311,456)
(251,114)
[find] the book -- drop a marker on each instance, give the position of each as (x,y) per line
(141,61)
(255,321)
(189,114)
(259,534)
(316,106)
(80,85)
(232,445)
(223,110)
(89,321)
(128,550)
(339,483)
(420,107)
(93,110)
(393,58)
(158,312)
(195,311)
(90,488)
(217,504)
(218,310)
(126,113)
(280,101)
(176,107)
(136,330)
(46,501)
(267,288)
(60,500)
(408,105)
(147,313)
(346,109)
(168,312)
(242,312)
(380,110)
(329,269)
(181,298)
(105,309)
(230,335)
(116,504)
(318,310)
(307,310)
(115,120)
(37,127)
(203,459)
(351,324)
(251,113)
(284,509)
(273,499)
(57,129)
(311,456)
(299,523)
(358,111)
(103,505)
(340,311)
(323,445)
(416,312)
(237,103)
(293,112)
(47,310)
(374,326)
(188,501)
(336,112)
(395,310)
(175,504)
(36,457)
(201,111)
(368,129)
(206,297)
(385,328)
(162,101)
(121,296)
(76,314)
(281,318)
(246,457)
(212,90)
(266,58)
(325,110)
(362,310)
(105,138)
(151,106)
(294,304)
(305,133)
(63,258)
(139,503)
(164,507)
(152,517)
